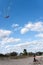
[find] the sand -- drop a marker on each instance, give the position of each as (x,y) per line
(25,61)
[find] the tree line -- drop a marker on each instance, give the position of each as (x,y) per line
(23,54)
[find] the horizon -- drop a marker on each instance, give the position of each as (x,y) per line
(23,29)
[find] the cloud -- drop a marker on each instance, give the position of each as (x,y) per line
(24,30)
(4,33)
(6,38)
(31,46)
(15,25)
(36,26)
(9,40)
(40,35)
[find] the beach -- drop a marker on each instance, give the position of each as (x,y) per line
(24,61)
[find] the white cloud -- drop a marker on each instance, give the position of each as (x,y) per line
(6,38)
(9,40)
(40,35)
(4,33)
(24,30)
(15,25)
(31,46)
(37,26)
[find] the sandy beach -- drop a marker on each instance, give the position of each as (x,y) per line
(24,61)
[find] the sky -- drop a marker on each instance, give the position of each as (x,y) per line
(23,29)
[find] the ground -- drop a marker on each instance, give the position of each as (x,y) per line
(24,61)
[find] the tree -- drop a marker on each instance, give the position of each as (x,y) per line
(24,52)
(39,53)
(13,54)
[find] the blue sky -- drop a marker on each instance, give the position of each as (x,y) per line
(23,28)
